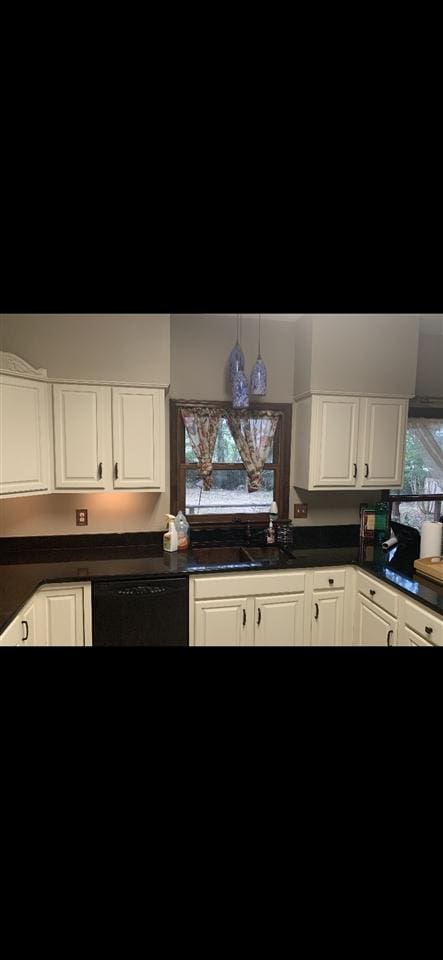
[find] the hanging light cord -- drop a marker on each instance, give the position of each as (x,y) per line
(259,335)
(238,329)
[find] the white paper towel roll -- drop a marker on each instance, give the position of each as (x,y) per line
(431,538)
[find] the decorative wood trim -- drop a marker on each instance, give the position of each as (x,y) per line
(11,363)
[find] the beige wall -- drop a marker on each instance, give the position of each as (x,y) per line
(430,358)
(356,353)
(101,346)
(200,347)
(108,513)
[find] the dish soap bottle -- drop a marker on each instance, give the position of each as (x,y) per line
(182,528)
(270,533)
(170,538)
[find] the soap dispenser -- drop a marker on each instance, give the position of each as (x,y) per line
(170,538)
(270,533)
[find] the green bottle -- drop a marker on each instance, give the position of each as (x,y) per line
(381,521)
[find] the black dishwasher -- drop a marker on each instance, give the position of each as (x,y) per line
(140,613)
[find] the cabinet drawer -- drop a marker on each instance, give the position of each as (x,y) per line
(423,622)
(412,639)
(247,584)
(375,591)
(329,579)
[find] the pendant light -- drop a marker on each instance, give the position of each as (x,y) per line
(236,357)
(259,375)
(240,394)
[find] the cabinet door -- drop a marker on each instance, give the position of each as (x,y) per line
(61,617)
(335,441)
(279,621)
(138,424)
(22,631)
(222,623)
(373,627)
(383,442)
(24,436)
(327,618)
(79,437)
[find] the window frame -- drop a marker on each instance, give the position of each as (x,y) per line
(280,465)
(429,413)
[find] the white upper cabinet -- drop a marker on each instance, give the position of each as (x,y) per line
(349,442)
(81,458)
(383,436)
(335,436)
(138,430)
(92,436)
(24,436)
(109,438)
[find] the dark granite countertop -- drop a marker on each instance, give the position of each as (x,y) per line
(27,566)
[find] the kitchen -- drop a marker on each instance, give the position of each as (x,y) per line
(112,422)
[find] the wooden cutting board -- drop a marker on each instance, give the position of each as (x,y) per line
(432,570)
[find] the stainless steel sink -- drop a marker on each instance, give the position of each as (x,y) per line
(217,555)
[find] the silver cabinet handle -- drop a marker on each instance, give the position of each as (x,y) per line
(388,639)
(372,592)
(366,470)
(25,624)
(355,471)
(331,583)
(100,471)
(316,612)
(428,630)
(244,617)
(259,617)
(116,471)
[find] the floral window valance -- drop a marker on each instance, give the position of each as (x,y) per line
(253,434)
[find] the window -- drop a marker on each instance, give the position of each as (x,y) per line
(231,463)
(421,497)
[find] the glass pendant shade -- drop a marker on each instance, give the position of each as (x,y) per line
(236,357)
(259,378)
(236,361)
(240,395)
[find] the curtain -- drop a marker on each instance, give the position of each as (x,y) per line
(202,424)
(429,434)
(253,438)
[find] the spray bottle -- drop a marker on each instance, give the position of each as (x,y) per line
(170,538)
(182,528)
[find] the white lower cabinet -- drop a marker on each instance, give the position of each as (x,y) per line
(373,626)
(247,609)
(222,623)
(58,615)
(22,631)
(278,620)
(64,615)
(328,618)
